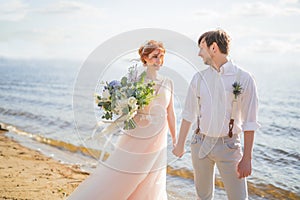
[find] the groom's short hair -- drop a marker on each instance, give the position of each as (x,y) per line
(220,37)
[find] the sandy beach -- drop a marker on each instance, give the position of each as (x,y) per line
(27,174)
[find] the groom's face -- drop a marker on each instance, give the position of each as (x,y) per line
(205,53)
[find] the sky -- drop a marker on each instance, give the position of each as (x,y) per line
(261,31)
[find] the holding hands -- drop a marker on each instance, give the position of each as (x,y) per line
(178,150)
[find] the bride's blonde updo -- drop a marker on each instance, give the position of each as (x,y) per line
(149,47)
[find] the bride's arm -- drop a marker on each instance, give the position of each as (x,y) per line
(171,116)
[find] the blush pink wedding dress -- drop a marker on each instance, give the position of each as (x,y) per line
(136,169)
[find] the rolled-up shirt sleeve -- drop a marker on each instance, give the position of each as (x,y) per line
(189,112)
(249,107)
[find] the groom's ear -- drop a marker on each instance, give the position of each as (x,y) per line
(214,47)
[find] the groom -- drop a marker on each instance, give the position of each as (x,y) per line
(223,112)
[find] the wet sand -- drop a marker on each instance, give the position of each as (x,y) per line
(27,174)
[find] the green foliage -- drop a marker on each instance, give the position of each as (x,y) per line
(118,95)
(237,89)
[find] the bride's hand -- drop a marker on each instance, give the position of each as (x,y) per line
(174,143)
(178,150)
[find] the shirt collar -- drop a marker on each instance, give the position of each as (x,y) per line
(228,68)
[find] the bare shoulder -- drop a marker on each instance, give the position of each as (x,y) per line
(168,80)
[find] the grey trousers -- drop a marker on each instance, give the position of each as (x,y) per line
(224,152)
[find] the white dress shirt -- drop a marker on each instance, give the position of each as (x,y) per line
(216,95)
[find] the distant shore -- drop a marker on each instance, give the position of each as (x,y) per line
(27,174)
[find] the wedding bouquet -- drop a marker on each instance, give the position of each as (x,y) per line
(125,97)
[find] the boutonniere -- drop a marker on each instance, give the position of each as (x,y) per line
(237,89)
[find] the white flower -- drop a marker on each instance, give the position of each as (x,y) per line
(105,94)
(132,102)
(135,107)
(118,110)
(120,105)
(131,114)
(97,101)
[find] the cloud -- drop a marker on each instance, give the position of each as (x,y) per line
(273,46)
(71,9)
(291,11)
(206,14)
(13,11)
(249,10)
(252,9)
(265,9)
(64,28)
(16,10)
(63,7)
(284,2)
(270,46)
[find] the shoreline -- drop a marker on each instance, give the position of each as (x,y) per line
(28,174)
(33,173)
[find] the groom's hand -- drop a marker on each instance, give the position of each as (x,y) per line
(178,150)
(244,167)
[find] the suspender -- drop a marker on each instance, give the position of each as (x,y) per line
(233,110)
(234,105)
(197,131)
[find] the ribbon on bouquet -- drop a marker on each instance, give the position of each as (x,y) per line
(113,127)
(108,132)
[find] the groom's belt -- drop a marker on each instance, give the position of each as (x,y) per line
(202,135)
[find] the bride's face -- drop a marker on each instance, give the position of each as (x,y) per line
(155,59)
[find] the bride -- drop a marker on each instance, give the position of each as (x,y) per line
(136,169)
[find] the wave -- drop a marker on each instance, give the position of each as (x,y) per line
(275,129)
(18,113)
(268,191)
(45,120)
(278,157)
(294,155)
(28,94)
(264,190)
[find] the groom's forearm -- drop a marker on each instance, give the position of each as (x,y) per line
(184,130)
(248,144)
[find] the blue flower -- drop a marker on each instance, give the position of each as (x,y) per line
(112,85)
(115,84)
